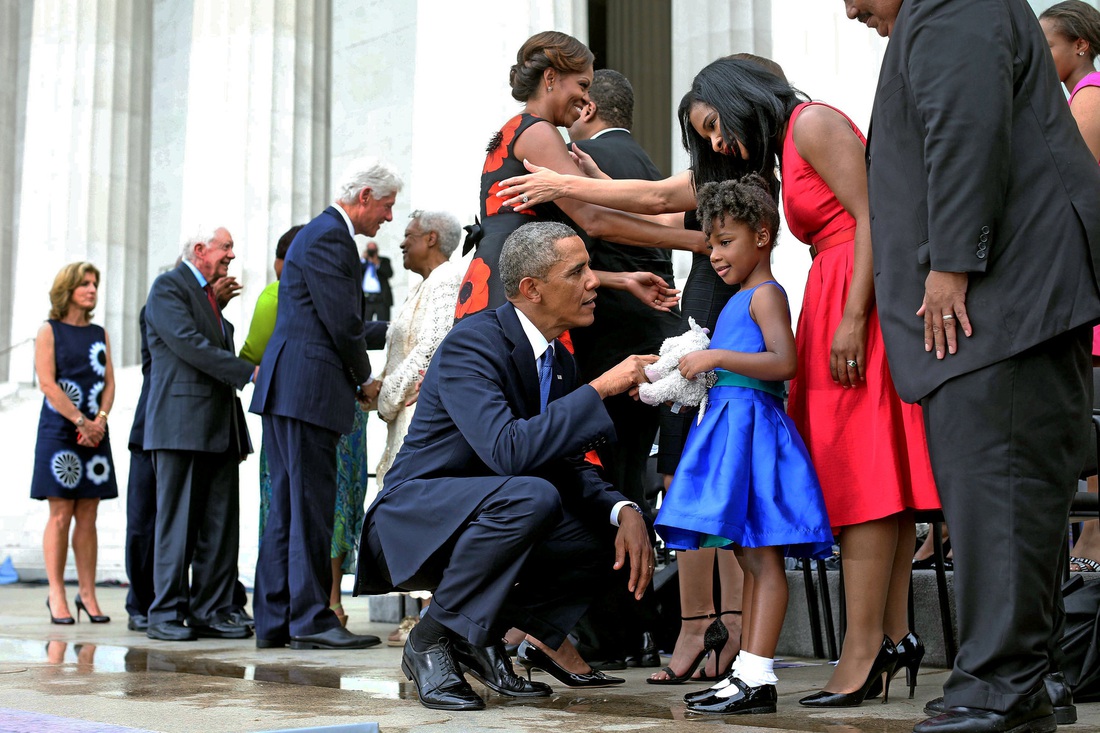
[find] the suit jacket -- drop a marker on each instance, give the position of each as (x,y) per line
(977,166)
(477,424)
(623,325)
(317,355)
(194,376)
(384,273)
(137,429)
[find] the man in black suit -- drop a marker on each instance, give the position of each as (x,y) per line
(984,217)
(194,427)
(375,273)
(490,502)
(313,368)
(623,326)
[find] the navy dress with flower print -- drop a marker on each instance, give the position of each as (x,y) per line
(61,467)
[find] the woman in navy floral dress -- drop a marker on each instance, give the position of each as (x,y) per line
(72,467)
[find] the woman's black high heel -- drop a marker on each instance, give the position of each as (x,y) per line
(910,653)
(714,638)
(531,657)
(59,621)
(91,616)
(885,663)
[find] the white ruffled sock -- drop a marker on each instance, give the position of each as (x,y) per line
(753,670)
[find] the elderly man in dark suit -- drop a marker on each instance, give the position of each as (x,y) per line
(986,240)
(194,427)
(489,502)
(312,370)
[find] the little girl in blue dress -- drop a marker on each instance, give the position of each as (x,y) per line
(745,481)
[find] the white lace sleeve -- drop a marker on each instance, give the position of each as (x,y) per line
(432,322)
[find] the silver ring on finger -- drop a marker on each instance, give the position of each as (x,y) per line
(524,198)
(949,317)
(852,364)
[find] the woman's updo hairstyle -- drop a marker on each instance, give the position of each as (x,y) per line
(542,51)
(1075,19)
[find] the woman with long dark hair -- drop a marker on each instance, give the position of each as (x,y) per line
(868,446)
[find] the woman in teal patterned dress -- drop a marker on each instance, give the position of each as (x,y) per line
(351,451)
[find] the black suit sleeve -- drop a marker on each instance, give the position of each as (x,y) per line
(960,61)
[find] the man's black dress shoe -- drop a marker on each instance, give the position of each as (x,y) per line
(745,700)
(439,684)
(1061,697)
(271,643)
(171,631)
(335,638)
(647,656)
(138,622)
(490,666)
(240,617)
(608,665)
(221,629)
(1033,714)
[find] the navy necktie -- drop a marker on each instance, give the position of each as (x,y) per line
(546,373)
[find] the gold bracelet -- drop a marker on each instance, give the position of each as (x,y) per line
(103,415)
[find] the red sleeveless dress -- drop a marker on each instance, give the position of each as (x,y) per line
(867,445)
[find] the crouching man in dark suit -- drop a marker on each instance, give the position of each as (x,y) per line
(489,502)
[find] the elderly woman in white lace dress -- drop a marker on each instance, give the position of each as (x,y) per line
(422,322)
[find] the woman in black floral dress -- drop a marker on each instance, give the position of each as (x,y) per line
(72,466)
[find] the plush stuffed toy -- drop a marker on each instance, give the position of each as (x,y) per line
(666,382)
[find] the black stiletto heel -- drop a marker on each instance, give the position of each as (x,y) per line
(58,620)
(882,670)
(91,616)
(910,653)
(531,657)
(714,638)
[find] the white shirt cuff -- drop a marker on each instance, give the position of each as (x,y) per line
(615,511)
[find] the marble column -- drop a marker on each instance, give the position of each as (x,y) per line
(84,182)
(15,28)
(256,141)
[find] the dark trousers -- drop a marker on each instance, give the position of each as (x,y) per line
(141,522)
(521,560)
(197,529)
(1007,443)
(375,308)
(294,568)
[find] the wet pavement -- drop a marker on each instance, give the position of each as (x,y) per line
(102,677)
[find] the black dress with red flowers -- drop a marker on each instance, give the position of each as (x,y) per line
(481,288)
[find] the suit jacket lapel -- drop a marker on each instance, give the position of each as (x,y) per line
(565,371)
(202,304)
(522,358)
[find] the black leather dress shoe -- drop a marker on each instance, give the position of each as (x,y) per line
(170,631)
(221,629)
(491,667)
(240,617)
(1061,697)
(1033,714)
(608,665)
(745,700)
(647,656)
(336,638)
(138,622)
(439,684)
(271,643)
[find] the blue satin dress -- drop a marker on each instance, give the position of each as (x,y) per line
(745,478)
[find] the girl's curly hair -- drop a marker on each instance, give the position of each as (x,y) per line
(744,199)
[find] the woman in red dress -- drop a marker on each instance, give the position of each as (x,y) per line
(868,446)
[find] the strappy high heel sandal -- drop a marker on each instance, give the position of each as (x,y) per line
(714,638)
(720,674)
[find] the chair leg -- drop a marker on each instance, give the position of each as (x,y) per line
(827,607)
(815,613)
(949,643)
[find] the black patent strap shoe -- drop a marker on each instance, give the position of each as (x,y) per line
(491,667)
(1033,714)
(439,684)
(737,698)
